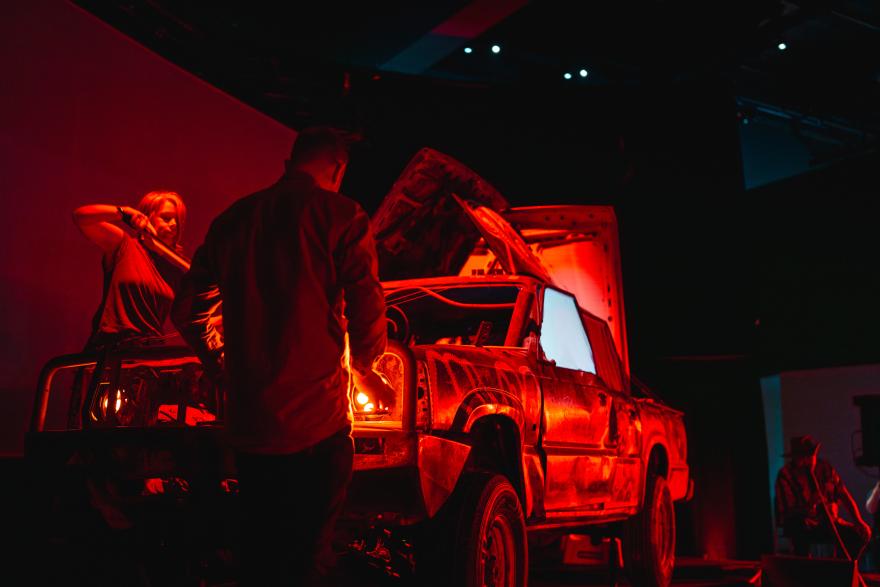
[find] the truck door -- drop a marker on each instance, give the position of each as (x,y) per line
(576,413)
(624,425)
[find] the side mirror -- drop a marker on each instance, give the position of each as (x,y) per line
(533,345)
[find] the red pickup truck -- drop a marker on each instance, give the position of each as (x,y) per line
(514,423)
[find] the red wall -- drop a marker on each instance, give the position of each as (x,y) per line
(87,115)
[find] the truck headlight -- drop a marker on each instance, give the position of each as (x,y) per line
(381,403)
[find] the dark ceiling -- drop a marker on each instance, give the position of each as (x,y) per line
(289,58)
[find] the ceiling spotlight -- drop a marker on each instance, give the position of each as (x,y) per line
(584,73)
(468,50)
(496,49)
(782,46)
(566,75)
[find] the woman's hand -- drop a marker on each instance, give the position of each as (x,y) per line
(136,219)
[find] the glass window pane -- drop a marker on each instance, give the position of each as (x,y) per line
(562,333)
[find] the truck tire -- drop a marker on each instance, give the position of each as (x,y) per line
(649,538)
(480,537)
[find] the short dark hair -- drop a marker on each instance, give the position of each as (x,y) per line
(321,143)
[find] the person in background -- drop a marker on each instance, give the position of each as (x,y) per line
(802,486)
(287,260)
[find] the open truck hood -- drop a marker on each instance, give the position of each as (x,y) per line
(434,215)
(579,248)
(441,219)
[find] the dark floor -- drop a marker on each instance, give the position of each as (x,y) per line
(690,572)
(693,572)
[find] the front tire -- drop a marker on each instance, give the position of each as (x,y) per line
(484,539)
(649,538)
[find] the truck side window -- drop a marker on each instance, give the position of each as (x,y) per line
(562,333)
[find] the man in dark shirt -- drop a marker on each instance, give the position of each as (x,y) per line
(799,506)
(287,261)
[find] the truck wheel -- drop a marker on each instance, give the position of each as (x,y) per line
(491,534)
(478,538)
(649,538)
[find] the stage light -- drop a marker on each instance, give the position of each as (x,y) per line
(468,50)
(782,46)
(584,73)
(566,75)
(496,49)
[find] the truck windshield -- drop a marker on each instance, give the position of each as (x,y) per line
(455,315)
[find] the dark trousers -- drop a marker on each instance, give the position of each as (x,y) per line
(802,535)
(289,504)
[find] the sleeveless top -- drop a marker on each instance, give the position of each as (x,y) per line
(138,292)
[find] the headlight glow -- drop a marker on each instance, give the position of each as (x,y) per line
(381,406)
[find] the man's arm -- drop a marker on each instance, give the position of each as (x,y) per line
(841,496)
(850,504)
(196,312)
(358,274)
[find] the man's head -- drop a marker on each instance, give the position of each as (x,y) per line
(321,152)
(803,450)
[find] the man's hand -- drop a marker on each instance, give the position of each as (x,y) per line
(374,385)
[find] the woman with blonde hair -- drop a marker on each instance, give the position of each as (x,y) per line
(139,280)
(143,265)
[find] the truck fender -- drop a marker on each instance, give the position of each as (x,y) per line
(483,402)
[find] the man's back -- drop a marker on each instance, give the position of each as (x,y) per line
(282,258)
(284,263)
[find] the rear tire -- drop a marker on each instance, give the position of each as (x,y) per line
(649,538)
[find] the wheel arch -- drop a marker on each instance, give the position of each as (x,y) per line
(496,446)
(657,463)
